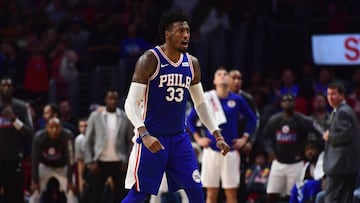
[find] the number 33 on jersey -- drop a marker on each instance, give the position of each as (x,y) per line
(168,93)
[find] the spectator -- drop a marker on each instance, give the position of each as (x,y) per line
(103,45)
(52,156)
(256,178)
(213,27)
(66,114)
(217,18)
(52,111)
(257,84)
(266,110)
(68,69)
(131,47)
(107,146)
(16,131)
(79,155)
(354,100)
(320,112)
(325,77)
(288,83)
(55,11)
(63,70)
(303,99)
(14,65)
(36,79)
(49,42)
(78,39)
(306,188)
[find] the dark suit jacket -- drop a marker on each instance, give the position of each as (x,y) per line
(342,151)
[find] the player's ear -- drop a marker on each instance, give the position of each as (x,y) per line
(167,34)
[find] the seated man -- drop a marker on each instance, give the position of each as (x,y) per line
(309,183)
(256,178)
(52,157)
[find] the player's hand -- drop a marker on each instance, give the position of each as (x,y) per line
(203,141)
(272,157)
(152,143)
(246,148)
(221,144)
(239,143)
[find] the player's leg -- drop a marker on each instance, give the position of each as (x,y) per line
(231,195)
(134,197)
(195,195)
(277,182)
(210,173)
(230,175)
(182,169)
(212,194)
(146,169)
(293,172)
(163,189)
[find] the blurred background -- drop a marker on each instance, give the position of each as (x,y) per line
(74,49)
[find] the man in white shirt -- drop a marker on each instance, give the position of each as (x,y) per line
(107,144)
(79,154)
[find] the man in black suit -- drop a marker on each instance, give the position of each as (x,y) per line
(342,148)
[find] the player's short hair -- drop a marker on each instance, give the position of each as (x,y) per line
(168,17)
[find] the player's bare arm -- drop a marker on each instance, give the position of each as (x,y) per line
(220,142)
(144,68)
(197,70)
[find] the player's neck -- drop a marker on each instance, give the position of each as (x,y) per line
(222,91)
(171,53)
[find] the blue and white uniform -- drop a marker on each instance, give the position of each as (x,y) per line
(217,168)
(164,110)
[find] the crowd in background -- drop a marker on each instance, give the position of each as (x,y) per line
(47,42)
(59,42)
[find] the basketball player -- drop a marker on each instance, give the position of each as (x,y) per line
(218,171)
(156,103)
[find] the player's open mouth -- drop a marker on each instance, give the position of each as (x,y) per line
(185,43)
